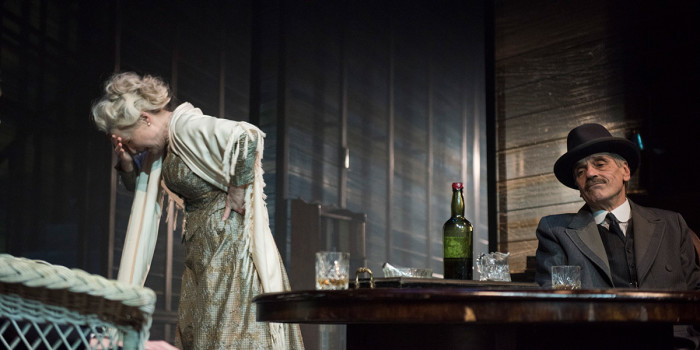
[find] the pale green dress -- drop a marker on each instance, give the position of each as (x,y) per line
(219,281)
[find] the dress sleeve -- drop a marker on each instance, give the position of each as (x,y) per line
(245,164)
(128,178)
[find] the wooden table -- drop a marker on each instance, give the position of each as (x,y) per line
(484,317)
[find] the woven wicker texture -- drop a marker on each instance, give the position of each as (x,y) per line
(45,306)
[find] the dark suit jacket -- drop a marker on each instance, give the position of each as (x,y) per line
(664,253)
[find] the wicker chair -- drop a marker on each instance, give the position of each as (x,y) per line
(45,306)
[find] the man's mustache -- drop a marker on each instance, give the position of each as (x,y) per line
(595,181)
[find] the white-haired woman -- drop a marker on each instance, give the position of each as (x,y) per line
(213,166)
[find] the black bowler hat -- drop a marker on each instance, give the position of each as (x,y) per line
(590,139)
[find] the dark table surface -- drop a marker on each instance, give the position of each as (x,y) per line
(409,300)
(410,313)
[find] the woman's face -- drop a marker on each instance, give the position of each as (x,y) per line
(140,137)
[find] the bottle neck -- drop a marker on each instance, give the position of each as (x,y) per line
(457,203)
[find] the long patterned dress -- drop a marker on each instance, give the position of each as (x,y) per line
(220,279)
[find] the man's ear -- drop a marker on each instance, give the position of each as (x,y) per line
(627,174)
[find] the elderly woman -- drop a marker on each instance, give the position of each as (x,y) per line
(212,166)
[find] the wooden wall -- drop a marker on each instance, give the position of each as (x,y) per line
(401,87)
(53,199)
(560,64)
(203,51)
(60,199)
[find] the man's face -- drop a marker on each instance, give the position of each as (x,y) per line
(601,181)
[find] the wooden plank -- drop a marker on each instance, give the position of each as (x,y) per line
(522,26)
(560,91)
(539,158)
(535,191)
(564,58)
(519,251)
(556,123)
(520,225)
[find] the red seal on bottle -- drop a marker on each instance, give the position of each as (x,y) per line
(457,186)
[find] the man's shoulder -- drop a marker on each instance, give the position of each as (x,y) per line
(558,219)
(579,219)
(582,211)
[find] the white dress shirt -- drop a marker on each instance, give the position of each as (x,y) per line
(623,213)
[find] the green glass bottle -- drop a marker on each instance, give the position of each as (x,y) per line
(457,239)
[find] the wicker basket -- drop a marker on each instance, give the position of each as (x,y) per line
(45,306)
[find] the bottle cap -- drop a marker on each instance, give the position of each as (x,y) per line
(457,186)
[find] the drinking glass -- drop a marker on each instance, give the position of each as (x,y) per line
(493,267)
(566,277)
(332,270)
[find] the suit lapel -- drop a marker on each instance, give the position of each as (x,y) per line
(648,232)
(584,233)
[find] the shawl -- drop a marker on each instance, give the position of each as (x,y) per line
(142,230)
(207,145)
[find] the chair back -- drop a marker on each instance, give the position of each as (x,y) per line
(45,306)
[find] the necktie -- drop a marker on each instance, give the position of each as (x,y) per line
(614,226)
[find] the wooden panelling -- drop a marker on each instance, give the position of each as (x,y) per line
(420,62)
(528,160)
(195,59)
(521,224)
(558,65)
(541,190)
(519,251)
(423,48)
(555,124)
(568,57)
(561,91)
(523,26)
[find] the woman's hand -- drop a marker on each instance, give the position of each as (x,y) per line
(235,200)
(126,161)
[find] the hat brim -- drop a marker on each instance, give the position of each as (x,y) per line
(563,167)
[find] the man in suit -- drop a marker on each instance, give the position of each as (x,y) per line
(617,243)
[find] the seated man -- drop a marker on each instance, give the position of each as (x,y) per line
(617,243)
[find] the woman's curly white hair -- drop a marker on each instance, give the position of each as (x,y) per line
(126,96)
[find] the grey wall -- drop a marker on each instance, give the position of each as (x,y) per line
(405,86)
(401,85)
